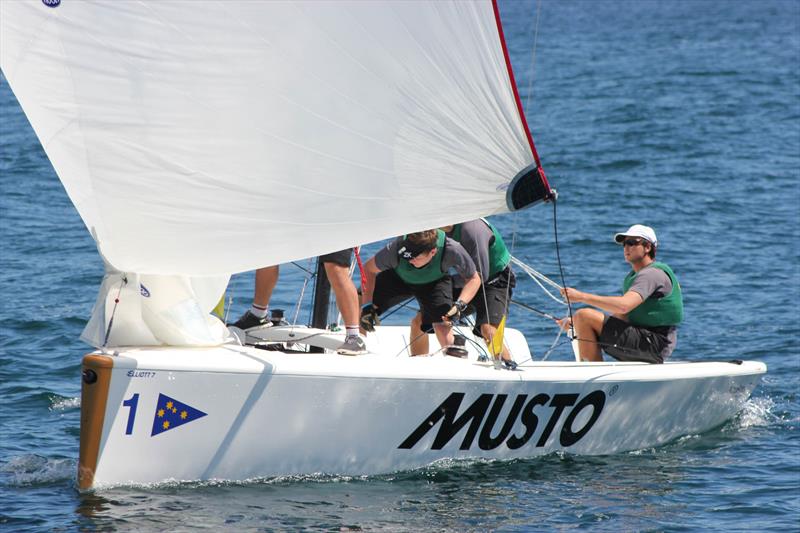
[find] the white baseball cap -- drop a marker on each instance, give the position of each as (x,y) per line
(638,230)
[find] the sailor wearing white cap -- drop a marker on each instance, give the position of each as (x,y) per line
(643,322)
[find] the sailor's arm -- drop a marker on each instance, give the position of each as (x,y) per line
(371,270)
(471,288)
(457,257)
(616,305)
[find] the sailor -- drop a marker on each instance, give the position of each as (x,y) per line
(337,268)
(417,265)
(643,325)
(485,246)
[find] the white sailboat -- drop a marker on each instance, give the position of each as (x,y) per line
(198,140)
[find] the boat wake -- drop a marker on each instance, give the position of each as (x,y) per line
(32,469)
(755,413)
(433,470)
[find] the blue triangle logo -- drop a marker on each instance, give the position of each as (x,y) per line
(171,413)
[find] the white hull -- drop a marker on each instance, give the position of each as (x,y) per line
(270,413)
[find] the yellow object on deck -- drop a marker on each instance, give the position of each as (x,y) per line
(496,342)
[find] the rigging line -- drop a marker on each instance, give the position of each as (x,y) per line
(481,347)
(122,283)
(536,277)
(397,308)
(299,303)
(407,346)
(441,349)
(228,308)
(486,308)
(532,272)
(533,309)
(508,288)
(298,340)
(533,54)
(304,269)
(553,346)
(362,273)
(560,267)
(546,315)
(547,292)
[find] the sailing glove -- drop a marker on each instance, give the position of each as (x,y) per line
(369,317)
(455,312)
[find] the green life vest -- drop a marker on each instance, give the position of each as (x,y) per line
(499,256)
(653,312)
(427,274)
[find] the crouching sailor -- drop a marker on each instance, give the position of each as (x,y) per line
(645,318)
(485,246)
(417,265)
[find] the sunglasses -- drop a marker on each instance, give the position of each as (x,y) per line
(632,242)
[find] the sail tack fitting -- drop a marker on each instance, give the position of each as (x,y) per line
(528,188)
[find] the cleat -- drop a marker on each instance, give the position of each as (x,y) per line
(352,345)
(248,320)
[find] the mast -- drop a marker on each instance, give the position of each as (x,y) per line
(322,296)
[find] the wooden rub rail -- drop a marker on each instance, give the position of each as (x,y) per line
(96,379)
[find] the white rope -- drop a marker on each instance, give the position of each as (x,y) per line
(302,294)
(539,278)
(553,346)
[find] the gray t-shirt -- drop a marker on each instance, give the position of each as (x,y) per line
(654,282)
(475,238)
(454,257)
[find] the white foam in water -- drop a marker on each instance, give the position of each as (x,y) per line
(62,404)
(31,469)
(756,412)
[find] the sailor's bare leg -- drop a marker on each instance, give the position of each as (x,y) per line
(345,291)
(419,341)
(588,324)
(444,334)
(266,279)
(488,332)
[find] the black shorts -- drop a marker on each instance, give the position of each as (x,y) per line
(626,342)
(498,296)
(435,299)
(342,257)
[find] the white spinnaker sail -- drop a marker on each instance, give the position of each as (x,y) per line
(205,138)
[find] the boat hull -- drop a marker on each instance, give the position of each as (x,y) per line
(251,413)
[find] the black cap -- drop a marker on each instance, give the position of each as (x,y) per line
(409,250)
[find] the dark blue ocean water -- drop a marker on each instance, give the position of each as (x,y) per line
(684,115)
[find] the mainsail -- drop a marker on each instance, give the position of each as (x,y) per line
(208,138)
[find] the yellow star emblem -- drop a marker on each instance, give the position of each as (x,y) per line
(160,413)
(166,424)
(184,414)
(169,405)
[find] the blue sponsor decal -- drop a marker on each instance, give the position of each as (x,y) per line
(171,413)
(143,291)
(51,3)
